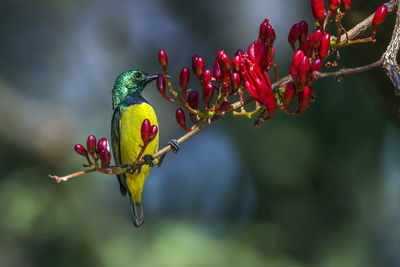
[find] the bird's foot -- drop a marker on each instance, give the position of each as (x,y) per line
(174,145)
(148,159)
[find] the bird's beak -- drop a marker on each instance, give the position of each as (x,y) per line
(152,77)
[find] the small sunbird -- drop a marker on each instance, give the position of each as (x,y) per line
(130,110)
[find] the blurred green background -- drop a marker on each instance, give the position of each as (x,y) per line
(318,189)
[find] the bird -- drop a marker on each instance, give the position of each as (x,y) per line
(130,109)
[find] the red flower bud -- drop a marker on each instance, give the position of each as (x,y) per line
(197,65)
(103,151)
(236,63)
(290,92)
(346,5)
(91,144)
(225,89)
(315,40)
(267,32)
(105,159)
(208,92)
(224,106)
(235,81)
(184,78)
(145,131)
(153,132)
(193,100)
(318,10)
(294,34)
(333,6)
(304,98)
(298,56)
(379,17)
(180,118)
(306,46)
(303,32)
(239,52)
(224,61)
(303,70)
(161,87)
(217,71)
(325,44)
(81,150)
(316,65)
(162,57)
(207,76)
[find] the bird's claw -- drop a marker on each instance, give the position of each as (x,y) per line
(174,145)
(148,159)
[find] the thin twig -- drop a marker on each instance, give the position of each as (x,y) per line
(344,72)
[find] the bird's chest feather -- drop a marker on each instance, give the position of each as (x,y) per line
(131,121)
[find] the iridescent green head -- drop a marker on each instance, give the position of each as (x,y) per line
(129,84)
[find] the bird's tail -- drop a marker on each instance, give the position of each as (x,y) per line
(137,213)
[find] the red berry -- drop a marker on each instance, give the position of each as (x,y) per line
(103,147)
(162,57)
(318,10)
(325,44)
(193,100)
(267,32)
(303,32)
(161,84)
(379,17)
(235,81)
(294,35)
(145,131)
(298,56)
(290,92)
(236,63)
(91,144)
(105,159)
(184,78)
(81,150)
(315,40)
(224,61)
(225,89)
(303,70)
(304,98)
(206,76)
(197,65)
(180,118)
(217,71)
(153,132)
(316,65)
(208,92)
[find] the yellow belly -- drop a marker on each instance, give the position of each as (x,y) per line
(131,121)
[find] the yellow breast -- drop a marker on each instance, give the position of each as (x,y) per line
(131,142)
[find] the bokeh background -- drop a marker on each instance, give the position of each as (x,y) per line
(318,189)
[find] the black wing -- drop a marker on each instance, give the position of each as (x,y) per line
(115,143)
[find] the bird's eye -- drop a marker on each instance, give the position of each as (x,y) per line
(138,75)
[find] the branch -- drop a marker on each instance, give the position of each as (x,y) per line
(390,64)
(343,72)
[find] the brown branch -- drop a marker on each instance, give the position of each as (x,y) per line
(390,64)
(351,34)
(343,72)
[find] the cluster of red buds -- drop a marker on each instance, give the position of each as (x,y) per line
(249,70)
(148,132)
(229,77)
(96,151)
(101,151)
